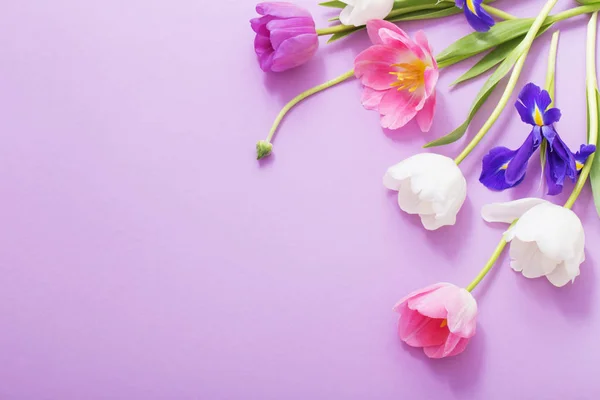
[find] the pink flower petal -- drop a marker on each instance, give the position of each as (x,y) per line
(373,66)
(401,41)
(419,331)
(294,52)
(418,293)
(425,116)
(421,40)
(371,98)
(374,25)
(454,345)
(462,313)
(433,304)
(430,76)
(399,107)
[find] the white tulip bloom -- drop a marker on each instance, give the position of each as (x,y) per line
(547,240)
(358,12)
(430,185)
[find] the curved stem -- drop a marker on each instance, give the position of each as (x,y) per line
(335,29)
(591,88)
(497,13)
(303,96)
(512,82)
(488,266)
(573,12)
(514,77)
(551,71)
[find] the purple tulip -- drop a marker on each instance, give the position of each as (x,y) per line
(285,36)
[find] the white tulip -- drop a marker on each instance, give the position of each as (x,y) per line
(430,185)
(547,240)
(358,12)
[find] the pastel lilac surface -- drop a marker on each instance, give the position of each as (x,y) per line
(145,254)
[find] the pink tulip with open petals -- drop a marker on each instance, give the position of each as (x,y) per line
(440,318)
(399,75)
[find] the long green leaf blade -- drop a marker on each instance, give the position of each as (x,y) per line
(595,170)
(427,14)
(482,96)
(333,4)
(478,42)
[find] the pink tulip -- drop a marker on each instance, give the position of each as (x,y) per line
(440,318)
(285,36)
(399,76)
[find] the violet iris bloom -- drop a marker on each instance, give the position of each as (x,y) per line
(285,36)
(504,168)
(476,16)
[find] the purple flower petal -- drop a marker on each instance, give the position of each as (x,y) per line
(582,155)
(551,116)
(560,164)
(493,169)
(479,20)
(515,170)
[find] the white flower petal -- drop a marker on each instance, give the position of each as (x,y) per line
(509,211)
(430,185)
(365,10)
(346,14)
(560,276)
(528,258)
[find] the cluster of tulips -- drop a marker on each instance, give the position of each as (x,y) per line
(399,74)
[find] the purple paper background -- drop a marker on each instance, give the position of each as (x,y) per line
(145,254)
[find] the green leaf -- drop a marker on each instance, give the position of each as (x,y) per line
(339,35)
(493,58)
(485,92)
(595,170)
(333,4)
(427,14)
(478,42)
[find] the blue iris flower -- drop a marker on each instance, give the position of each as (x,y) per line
(477,17)
(504,168)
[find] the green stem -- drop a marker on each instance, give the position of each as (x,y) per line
(488,266)
(551,71)
(573,12)
(512,82)
(303,96)
(591,87)
(497,13)
(335,29)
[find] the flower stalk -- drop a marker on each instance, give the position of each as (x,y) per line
(523,50)
(592,99)
(264,147)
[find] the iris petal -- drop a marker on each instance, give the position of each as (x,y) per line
(493,170)
(549,133)
(479,20)
(528,96)
(582,155)
(517,167)
(552,116)
(560,164)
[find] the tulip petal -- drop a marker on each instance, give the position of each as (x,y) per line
(560,276)
(374,66)
(397,108)
(527,258)
(370,98)
(418,293)
(509,211)
(425,116)
(447,349)
(374,25)
(462,314)
(433,304)
(281,10)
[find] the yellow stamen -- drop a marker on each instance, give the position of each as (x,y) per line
(444,323)
(410,76)
(578,165)
(504,166)
(471,6)
(537,117)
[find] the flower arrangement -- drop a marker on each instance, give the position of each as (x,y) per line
(398,74)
